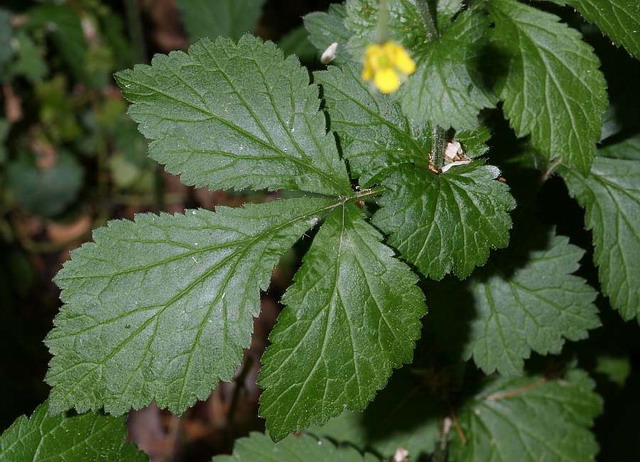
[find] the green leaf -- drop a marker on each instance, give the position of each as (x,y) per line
(6,50)
(64,24)
(616,369)
(553,90)
(448,222)
(530,419)
(403,415)
(445,88)
(619,19)
(29,62)
(220,18)
(611,196)
(45,191)
(326,28)
(258,447)
(628,149)
(88,437)
(352,316)
(525,299)
(374,134)
(232,115)
(160,309)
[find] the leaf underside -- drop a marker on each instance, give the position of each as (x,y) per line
(160,309)
(530,419)
(351,316)
(527,299)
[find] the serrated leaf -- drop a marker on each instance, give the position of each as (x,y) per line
(619,19)
(448,222)
(352,316)
(554,90)
(526,299)
(530,419)
(88,437)
(160,309)
(220,18)
(611,196)
(374,134)
(445,88)
(326,28)
(403,415)
(230,115)
(258,447)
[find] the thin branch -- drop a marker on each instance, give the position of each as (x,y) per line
(511,393)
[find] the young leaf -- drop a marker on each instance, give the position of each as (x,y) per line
(554,90)
(45,191)
(445,89)
(258,447)
(42,437)
(403,415)
(448,222)
(160,309)
(526,299)
(326,28)
(220,18)
(611,196)
(352,315)
(530,419)
(619,19)
(232,115)
(374,134)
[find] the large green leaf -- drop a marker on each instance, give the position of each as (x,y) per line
(611,195)
(160,309)
(619,19)
(352,316)
(525,299)
(445,88)
(448,222)
(554,90)
(230,115)
(403,415)
(220,18)
(374,134)
(304,448)
(530,419)
(88,437)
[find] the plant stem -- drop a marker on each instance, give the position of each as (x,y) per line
(436,157)
(134,24)
(428,19)
(383,21)
(437,147)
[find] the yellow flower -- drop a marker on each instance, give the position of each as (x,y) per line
(387,64)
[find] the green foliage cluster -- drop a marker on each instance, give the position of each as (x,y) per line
(160,309)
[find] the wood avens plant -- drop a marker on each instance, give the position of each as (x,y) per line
(387,152)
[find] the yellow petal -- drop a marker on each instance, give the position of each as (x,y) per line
(387,80)
(367,73)
(404,63)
